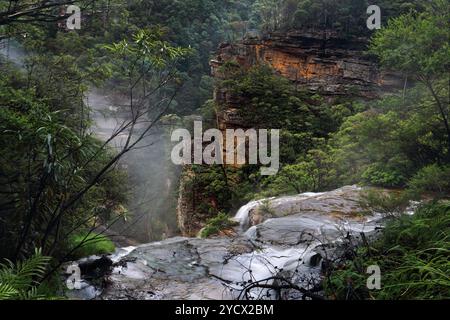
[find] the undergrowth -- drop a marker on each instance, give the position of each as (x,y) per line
(413,255)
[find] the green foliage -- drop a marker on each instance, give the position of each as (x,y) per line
(21,281)
(389,143)
(412,254)
(48,154)
(379,175)
(432,178)
(88,244)
(53,180)
(416,43)
(45,160)
(210,183)
(216,224)
(147,49)
(389,203)
(347,17)
(213,189)
(270,13)
(271,101)
(208,112)
(300,177)
(403,133)
(313,172)
(199,24)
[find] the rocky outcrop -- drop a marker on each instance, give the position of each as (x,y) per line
(340,203)
(185,209)
(321,61)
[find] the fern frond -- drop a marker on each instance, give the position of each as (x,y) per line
(33,267)
(21,281)
(31,294)
(7,291)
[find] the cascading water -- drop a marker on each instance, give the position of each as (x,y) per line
(281,248)
(288,244)
(149,169)
(242,216)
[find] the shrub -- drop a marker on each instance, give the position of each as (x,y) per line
(388,203)
(432,178)
(380,175)
(214,225)
(21,281)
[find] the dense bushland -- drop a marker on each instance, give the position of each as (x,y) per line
(58,182)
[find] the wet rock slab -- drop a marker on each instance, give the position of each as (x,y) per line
(178,268)
(344,202)
(291,241)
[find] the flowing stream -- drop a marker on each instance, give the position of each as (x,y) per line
(290,241)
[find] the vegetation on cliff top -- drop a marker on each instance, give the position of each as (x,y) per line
(347,17)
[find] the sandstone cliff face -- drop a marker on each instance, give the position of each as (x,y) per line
(319,61)
(322,62)
(185,210)
(188,219)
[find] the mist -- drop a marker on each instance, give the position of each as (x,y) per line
(12,51)
(153,179)
(152,176)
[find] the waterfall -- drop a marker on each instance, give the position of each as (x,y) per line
(150,172)
(242,216)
